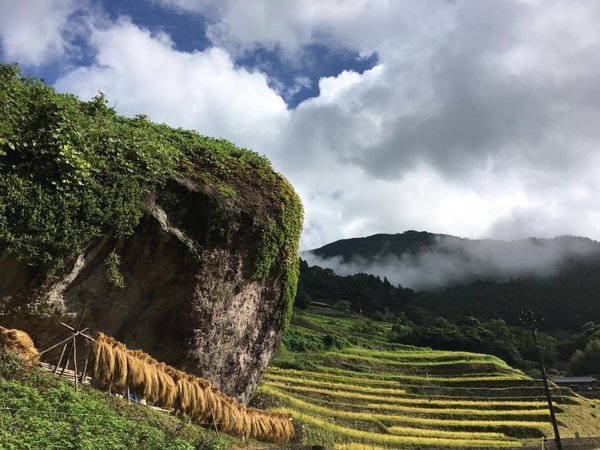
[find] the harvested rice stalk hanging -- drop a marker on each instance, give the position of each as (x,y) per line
(187,394)
(17,341)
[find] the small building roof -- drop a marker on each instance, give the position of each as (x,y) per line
(320,304)
(573,380)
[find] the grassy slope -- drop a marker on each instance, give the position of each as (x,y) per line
(40,411)
(363,390)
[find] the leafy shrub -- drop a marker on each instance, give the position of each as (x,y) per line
(334,342)
(113,272)
(73,171)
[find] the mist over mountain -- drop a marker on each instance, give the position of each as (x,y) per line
(425,261)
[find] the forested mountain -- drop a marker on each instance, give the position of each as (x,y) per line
(475,293)
(377,246)
(488,279)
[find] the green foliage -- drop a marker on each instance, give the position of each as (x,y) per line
(364,292)
(113,270)
(586,362)
(214,443)
(331,342)
(342,305)
(40,411)
(72,172)
(301,340)
(272,240)
(469,334)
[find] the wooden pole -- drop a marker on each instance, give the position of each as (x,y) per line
(528,317)
(60,359)
(81,332)
(547,389)
(68,359)
(84,373)
(49,349)
(75,359)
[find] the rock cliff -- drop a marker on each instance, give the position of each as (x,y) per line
(178,244)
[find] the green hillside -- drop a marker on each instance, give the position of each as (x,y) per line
(487,279)
(39,411)
(346,384)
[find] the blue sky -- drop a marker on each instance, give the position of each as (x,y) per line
(477,119)
(295,80)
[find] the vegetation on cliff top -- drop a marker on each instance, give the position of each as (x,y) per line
(72,171)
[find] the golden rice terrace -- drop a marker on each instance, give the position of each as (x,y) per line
(410,397)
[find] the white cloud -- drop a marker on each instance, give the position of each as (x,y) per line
(241,25)
(33,31)
(479,119)
(142,73)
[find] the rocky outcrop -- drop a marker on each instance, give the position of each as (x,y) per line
(209,267)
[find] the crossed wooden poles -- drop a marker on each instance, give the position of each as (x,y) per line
(70,349)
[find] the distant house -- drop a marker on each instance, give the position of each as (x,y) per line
(320,305)
(575,382)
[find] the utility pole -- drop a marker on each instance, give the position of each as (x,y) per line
(529,318)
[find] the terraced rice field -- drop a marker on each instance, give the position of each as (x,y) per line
(411,397)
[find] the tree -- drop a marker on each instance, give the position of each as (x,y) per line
(303,299)
(586,362)
(342,305)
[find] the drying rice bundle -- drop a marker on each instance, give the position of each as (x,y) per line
(187,394)
(143,380)
(104,360)
(246,424)
(202,410)
(152,384)
(231,422)
(269,425)
(121,367)
(17,341)
(168,389)
(183,395)
(136,377)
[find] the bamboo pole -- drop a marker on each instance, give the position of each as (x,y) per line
(84,373)
(68,359)
(75,359)
(64,341)
(60,359)
(81,332)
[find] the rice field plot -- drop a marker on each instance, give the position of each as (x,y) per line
(400,396)
(377,391)
(372,363)
(382,379)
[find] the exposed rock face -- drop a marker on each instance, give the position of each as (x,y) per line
(190,298)
(207,244)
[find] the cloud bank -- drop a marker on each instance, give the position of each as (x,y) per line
(479,119)
(450,261)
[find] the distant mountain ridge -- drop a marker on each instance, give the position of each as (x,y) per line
(423,260)
(456,277)
(413,241)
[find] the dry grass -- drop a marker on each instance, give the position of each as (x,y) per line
(17,341)
(397,441)
(356,446)
(423,361)
(423,402)
(395,379)
(422,354)
(445,423)
(187,394)
(342,386)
